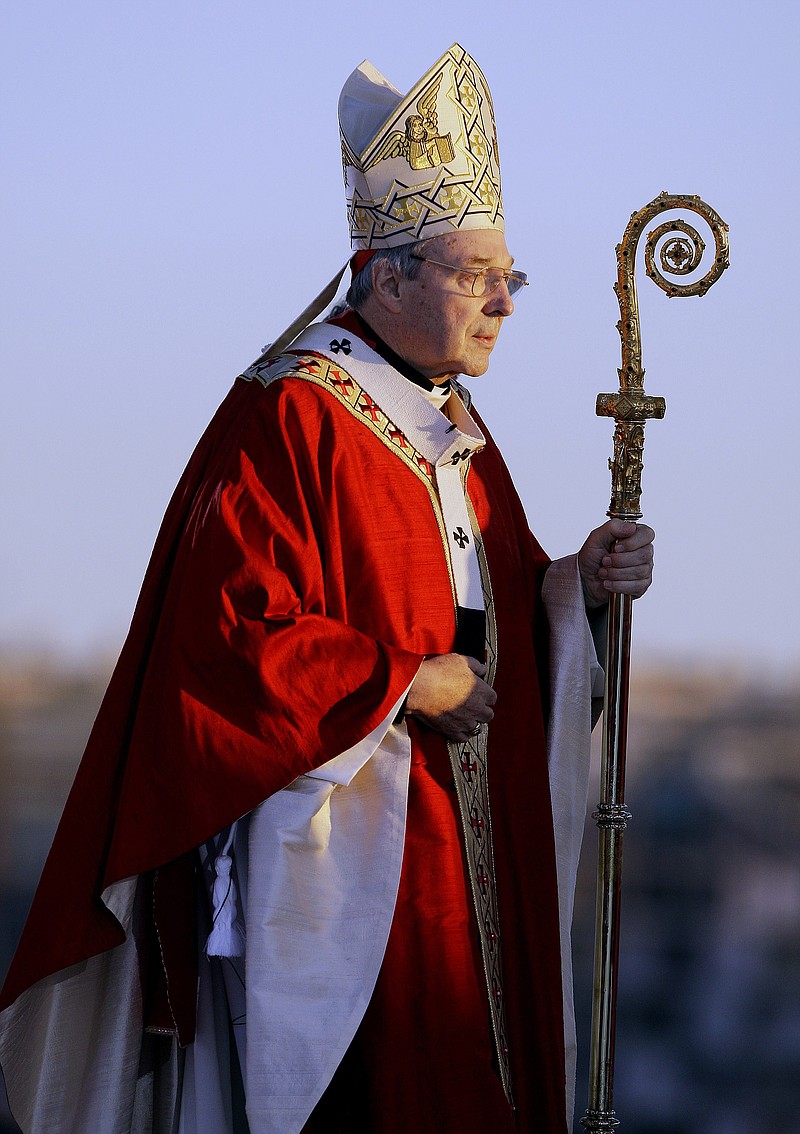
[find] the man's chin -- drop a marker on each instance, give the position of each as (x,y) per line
(474,368)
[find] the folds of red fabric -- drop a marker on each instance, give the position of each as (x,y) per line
(297,582)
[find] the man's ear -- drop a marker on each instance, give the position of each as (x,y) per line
(386,285)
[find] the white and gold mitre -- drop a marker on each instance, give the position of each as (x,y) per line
(420,164)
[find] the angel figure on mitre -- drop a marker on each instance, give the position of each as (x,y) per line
(420,144)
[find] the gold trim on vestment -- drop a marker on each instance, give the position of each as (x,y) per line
(469,761)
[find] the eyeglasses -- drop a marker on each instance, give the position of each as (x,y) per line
(484,280)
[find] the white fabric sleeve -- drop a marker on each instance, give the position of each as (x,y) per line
(342,768)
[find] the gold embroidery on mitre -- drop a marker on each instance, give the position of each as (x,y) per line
(419,143)
(422,164)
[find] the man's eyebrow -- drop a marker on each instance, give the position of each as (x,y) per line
(483,262)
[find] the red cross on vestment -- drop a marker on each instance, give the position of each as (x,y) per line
(368,406)
(345,383)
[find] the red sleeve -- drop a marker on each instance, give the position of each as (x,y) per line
(261,669)
(246,664)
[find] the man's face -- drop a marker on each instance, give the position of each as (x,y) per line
(444,328)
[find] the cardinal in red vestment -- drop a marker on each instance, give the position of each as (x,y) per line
(315,871)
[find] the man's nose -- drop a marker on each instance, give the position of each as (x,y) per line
(500,301)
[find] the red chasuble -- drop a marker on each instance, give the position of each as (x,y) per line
(298,581)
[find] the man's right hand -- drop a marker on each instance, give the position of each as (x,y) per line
(449,695)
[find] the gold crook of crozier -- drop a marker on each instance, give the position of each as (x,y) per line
(679,255)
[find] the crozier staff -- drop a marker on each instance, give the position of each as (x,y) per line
(323,750)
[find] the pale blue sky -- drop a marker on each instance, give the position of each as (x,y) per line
(172,196)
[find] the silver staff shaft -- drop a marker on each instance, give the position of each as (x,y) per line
(611,817)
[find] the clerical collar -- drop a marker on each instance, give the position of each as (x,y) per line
(436,394)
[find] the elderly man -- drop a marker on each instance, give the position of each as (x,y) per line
(332,711)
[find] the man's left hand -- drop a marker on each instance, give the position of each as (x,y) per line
(616,557)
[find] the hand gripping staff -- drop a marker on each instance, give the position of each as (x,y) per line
(679,249)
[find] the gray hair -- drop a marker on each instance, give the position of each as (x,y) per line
(402,259)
